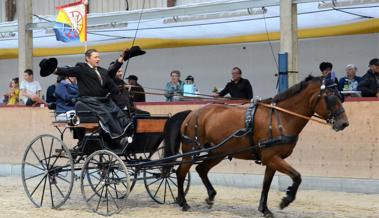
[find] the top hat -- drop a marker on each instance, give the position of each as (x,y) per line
(48,66)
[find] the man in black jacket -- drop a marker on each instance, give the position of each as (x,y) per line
(369,84)
(95,85)
(239,88)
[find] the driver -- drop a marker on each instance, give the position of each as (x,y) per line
(95,86)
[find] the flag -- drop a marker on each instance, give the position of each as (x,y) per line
(71,23)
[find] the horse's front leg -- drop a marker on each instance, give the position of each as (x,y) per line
(269,174)
(282,166)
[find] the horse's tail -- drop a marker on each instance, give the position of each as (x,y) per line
(172,133)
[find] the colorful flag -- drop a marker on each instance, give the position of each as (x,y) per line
(71,23)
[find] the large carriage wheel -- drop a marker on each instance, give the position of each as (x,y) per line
(47,171)
(161,182)
(105,182)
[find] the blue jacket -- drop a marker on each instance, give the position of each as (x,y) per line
(352,84)
(66,95)
(172,90)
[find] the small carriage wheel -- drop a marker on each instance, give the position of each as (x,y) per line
(105,182)
(47,171)
(161,182)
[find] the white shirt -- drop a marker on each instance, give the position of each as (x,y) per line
(30,88)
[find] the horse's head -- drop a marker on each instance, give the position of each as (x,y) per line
(328,104)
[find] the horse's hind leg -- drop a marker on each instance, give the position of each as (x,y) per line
(181,174)
(282,166)
(269,174)
(203,169)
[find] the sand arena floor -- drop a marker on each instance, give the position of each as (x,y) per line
(230,202)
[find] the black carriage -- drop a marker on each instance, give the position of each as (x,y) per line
(107,173)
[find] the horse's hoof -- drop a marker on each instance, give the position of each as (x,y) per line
(268,215)
(266,212)
(185,207)
(285,202)
(209,202)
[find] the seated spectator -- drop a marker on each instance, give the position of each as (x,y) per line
(14,92)
(136,90)
(350,81)
(50,94)
(238,88)
(174,88)
(326,69)
(369,84)
(66,93)
(30,89)
(189,88)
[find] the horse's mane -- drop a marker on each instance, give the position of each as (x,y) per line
(293,90)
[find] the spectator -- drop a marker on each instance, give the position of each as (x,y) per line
(50,93)
(14,92)
(369,84)
(350,81)
(66,93)
(137,91)
(190,88)
(30,89)
(326,69)
(238,88)
(174,88)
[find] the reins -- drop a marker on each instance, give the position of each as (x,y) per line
(293,113)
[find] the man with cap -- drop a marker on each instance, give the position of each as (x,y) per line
(369,84)
(137,91)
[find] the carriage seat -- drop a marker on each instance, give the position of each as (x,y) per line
(85,113)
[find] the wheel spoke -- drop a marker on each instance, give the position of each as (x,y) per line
(35,176)
(51,194)
(165,189)
(51,148)
(27,163)
(106,196)
(114,200)
(59,190)
(63,179)
(155,194)
(38,185)
(56,158)
(39,160)
(44,153)
(101,195)
(172,182)
(43,190)
(121,181)
(153,182)
(172,194)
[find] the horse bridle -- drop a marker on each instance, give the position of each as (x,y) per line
(331,101)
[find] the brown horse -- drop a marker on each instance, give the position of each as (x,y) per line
(210,125)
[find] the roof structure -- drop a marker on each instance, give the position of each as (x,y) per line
(228,26)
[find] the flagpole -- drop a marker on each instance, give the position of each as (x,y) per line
(85,2)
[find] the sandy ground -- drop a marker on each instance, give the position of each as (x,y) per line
(230,202)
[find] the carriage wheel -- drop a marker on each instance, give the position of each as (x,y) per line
(105,182)
(47,171)
(161,182)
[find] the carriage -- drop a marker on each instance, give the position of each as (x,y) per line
(107,173)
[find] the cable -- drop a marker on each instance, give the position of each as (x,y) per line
(347,12)
(269,41)
(134,39)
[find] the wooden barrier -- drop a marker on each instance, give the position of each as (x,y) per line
(352,153)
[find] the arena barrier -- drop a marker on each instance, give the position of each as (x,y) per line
(328,160)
